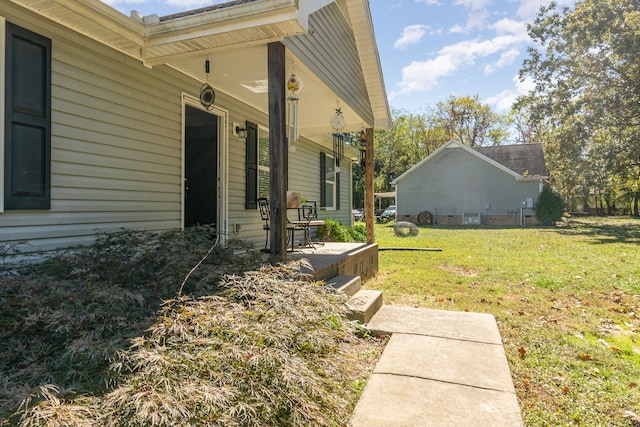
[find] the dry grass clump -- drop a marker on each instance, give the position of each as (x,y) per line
(260,348)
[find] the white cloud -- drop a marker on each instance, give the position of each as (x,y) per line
(506,58)
(410,35)
(473,4)
(476,19)
(477,14)
(510,26)
(528,9)
(503,101)
(421,76)
(434,2)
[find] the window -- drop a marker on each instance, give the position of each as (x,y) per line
(258,180)
(329,182)
(27,130)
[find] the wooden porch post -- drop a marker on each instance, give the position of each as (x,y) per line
(368,188)
(277,149)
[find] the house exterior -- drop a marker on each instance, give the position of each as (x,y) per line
(106,120)
(456,184)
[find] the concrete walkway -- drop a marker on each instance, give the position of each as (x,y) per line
(439,368)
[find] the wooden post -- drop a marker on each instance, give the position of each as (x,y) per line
(277,149)
(368,188)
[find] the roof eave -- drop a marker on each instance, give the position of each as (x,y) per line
(362,25)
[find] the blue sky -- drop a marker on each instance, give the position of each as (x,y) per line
(431,49)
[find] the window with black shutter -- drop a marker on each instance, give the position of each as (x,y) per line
(27,169)
(251,167)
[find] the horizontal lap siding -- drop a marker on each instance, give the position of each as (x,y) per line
(248,219)
(458,182)
(116,149)
(329,50)
(116,144)
(304,177)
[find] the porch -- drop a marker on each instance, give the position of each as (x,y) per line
(339,259)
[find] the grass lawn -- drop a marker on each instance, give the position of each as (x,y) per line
(566,299)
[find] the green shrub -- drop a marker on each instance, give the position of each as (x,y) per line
(336,232)
(267,351)
(87,340)
(549,207)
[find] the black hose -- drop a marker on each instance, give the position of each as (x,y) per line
(411,249)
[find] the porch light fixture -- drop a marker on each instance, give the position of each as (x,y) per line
(239,131)
(362,139)
(207,94)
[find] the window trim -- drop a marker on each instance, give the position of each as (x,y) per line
(326,159)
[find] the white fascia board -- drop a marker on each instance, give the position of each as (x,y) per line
(295,13)
(534,178)
(362,26)
(84,15)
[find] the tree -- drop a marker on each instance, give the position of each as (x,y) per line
(411,138)
(587,74)
(549,207)
(469,121)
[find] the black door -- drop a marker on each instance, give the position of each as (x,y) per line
(201,167)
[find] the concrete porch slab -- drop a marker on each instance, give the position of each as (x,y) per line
(334,259)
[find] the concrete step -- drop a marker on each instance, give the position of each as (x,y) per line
(364,304)
(348,285)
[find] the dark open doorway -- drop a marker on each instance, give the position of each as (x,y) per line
(201,167)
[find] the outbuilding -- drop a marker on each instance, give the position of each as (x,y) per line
(457,184)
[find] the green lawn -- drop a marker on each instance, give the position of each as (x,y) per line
(566,299)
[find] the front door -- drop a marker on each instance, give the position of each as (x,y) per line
(201,167)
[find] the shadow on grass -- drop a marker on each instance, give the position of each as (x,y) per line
(62,321)
(605,230)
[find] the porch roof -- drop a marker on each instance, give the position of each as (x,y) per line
(234,36)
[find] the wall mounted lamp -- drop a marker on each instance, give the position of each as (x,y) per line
(239,131)
(362,139)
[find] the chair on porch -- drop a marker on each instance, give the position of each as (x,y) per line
(263,207)
(309,213)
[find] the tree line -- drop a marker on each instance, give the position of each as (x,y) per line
(584,109)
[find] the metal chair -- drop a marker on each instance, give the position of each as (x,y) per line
(263,207)
(309,212)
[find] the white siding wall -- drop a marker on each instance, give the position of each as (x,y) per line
(304,177)
(117,146)
(458,182)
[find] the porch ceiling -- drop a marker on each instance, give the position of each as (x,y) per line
(242,73)
(234,38)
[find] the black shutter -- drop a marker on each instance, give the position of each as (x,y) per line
(323,179)
(28,126)
(251,166)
